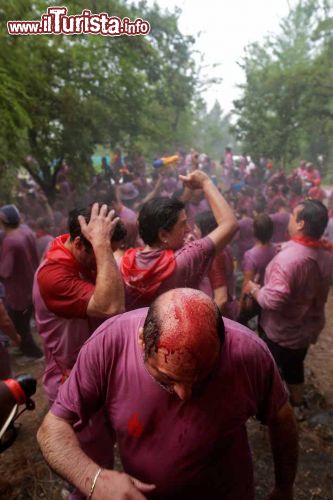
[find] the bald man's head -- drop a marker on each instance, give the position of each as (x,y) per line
(185,323)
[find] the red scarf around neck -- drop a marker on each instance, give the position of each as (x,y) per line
(307,241)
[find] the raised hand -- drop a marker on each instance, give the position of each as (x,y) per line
(101,225)
(195,180)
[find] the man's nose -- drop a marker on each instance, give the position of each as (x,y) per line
(183,391)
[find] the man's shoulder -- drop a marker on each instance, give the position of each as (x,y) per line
(243,342)
(201,245)
(51,270)
(120,329)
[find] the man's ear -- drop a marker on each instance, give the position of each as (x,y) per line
(300,225)
(77,243)
(163,235)
(141,341)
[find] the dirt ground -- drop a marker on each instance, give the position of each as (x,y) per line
(24,474)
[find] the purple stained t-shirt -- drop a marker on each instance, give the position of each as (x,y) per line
(280,227)
(188,449)
(18,263)
(245,238)
(257,259)
(296,287)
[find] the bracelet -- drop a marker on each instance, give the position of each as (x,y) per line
(94,483)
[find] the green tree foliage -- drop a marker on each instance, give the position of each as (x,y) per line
(212,131)
(285,111)
(63,95)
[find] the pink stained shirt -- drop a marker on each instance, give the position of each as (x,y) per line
(295,291)
(244,239)
(280,227)
(193,261)
(18,263)
(257,259)
(189,449)
(61,297)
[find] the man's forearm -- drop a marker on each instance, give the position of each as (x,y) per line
(108,297)
(223,213)
(284,443)
(62,451)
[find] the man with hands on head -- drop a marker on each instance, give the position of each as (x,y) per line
(76,287)
(177,384)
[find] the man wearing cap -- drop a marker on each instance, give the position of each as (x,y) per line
(18,263)
(177,386)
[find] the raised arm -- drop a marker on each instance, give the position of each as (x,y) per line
(224,215)
(62,451)
(284,443)
(108,297)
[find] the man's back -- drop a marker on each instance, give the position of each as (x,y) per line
(296,287)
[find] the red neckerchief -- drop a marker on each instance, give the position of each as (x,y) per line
(147,280)
(307,241)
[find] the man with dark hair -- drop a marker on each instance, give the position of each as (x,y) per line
(77,283)
(158,213)
(18,263)
(165,262)
(294,294)
(255,262)
(177,386)
(76,287)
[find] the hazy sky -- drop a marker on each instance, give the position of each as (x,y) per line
(226,27)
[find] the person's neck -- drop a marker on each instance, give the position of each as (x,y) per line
(152,248)
(10,230)
(69,246)
(117,206)
(259,244)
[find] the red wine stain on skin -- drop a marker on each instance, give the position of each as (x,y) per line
(189,326)
(134,426)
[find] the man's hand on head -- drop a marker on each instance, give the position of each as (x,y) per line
(101,225)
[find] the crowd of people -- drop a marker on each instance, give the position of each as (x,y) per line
(142,290)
